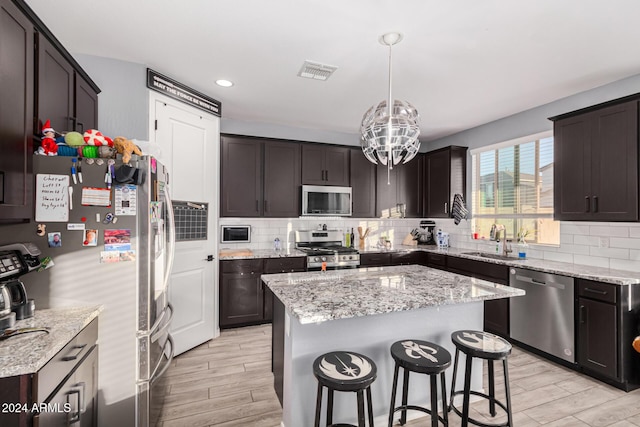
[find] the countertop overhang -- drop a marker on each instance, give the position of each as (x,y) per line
(314,297)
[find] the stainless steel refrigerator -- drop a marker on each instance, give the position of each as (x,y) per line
(117,250)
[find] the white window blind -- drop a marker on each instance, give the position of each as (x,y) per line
(513,186)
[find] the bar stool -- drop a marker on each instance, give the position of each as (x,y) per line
(424,358)
(344,371)
(489,347)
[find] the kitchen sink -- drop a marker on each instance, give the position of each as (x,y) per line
(493,256)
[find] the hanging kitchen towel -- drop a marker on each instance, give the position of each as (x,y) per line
(459,211)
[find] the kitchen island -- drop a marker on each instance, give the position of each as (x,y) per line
(366,310)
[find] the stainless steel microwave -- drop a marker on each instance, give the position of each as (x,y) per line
(325,200)
(235,234)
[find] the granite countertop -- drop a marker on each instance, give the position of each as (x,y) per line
(263,253)
(26,354)
(599,274)
(314,297)
(589,272)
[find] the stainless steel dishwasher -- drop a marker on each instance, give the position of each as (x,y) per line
(544,317)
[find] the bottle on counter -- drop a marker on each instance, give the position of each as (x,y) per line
(347,239)
(353,238)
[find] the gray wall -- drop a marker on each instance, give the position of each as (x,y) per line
(240,127)
(123,104)
(535,120)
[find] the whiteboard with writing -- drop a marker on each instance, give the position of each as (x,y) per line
(52,198)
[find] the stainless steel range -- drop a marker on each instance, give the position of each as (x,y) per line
(325,246)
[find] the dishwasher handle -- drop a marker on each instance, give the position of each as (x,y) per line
(533,281)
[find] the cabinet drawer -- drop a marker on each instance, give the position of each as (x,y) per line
(482,270)
(604,292)
(407,258)
(436,260)
(284,265)
(61,365)
(241,266)
(375,259)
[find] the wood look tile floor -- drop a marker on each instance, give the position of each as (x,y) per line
(228,383)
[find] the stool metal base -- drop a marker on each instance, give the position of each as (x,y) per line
(467,392)
(435,417)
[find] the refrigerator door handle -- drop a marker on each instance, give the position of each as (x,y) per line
(156,329)
(159,371)
(172,237)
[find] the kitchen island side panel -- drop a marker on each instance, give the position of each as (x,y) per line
(373,337)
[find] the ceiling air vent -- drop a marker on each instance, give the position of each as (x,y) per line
(316,71)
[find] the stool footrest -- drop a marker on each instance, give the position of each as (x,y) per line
(418,408)
(485,396)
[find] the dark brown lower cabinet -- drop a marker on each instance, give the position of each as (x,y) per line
(597,348)
(241,292)
(244,298)
(408,258)
(375,259)
(436,260)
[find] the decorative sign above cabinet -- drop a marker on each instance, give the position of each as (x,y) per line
(175,90)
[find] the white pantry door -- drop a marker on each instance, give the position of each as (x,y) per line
(189,140)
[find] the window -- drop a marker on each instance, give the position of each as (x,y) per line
(512,185)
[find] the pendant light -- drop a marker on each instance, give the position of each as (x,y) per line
(390,135)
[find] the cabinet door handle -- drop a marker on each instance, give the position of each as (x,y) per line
(587,203)
(446,207)
(74,417)
(595,203)
(79,349)
(581,314)
(595,291)
(81,126)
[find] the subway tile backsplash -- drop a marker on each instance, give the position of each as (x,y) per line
(609,245)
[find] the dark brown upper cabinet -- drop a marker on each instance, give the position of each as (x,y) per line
(260,177)
(16,113)
(64,96)
(363,185)
(400,188)
(445,174)
(324,164)
(596,164)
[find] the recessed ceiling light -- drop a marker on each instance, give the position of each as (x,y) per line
(224,83)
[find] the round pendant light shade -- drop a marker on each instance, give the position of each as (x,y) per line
(390,135)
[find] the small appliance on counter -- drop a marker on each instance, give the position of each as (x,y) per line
(15,261)
(425,235)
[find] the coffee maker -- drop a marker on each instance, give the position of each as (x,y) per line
(426,234)
(15,261)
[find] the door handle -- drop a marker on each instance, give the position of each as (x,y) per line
(446,207)
(581,314)
(588,204)
(209,258)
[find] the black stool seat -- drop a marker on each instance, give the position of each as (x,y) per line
(481,345)
(421,357)
(344,371)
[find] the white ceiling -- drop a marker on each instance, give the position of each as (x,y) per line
(462,63)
